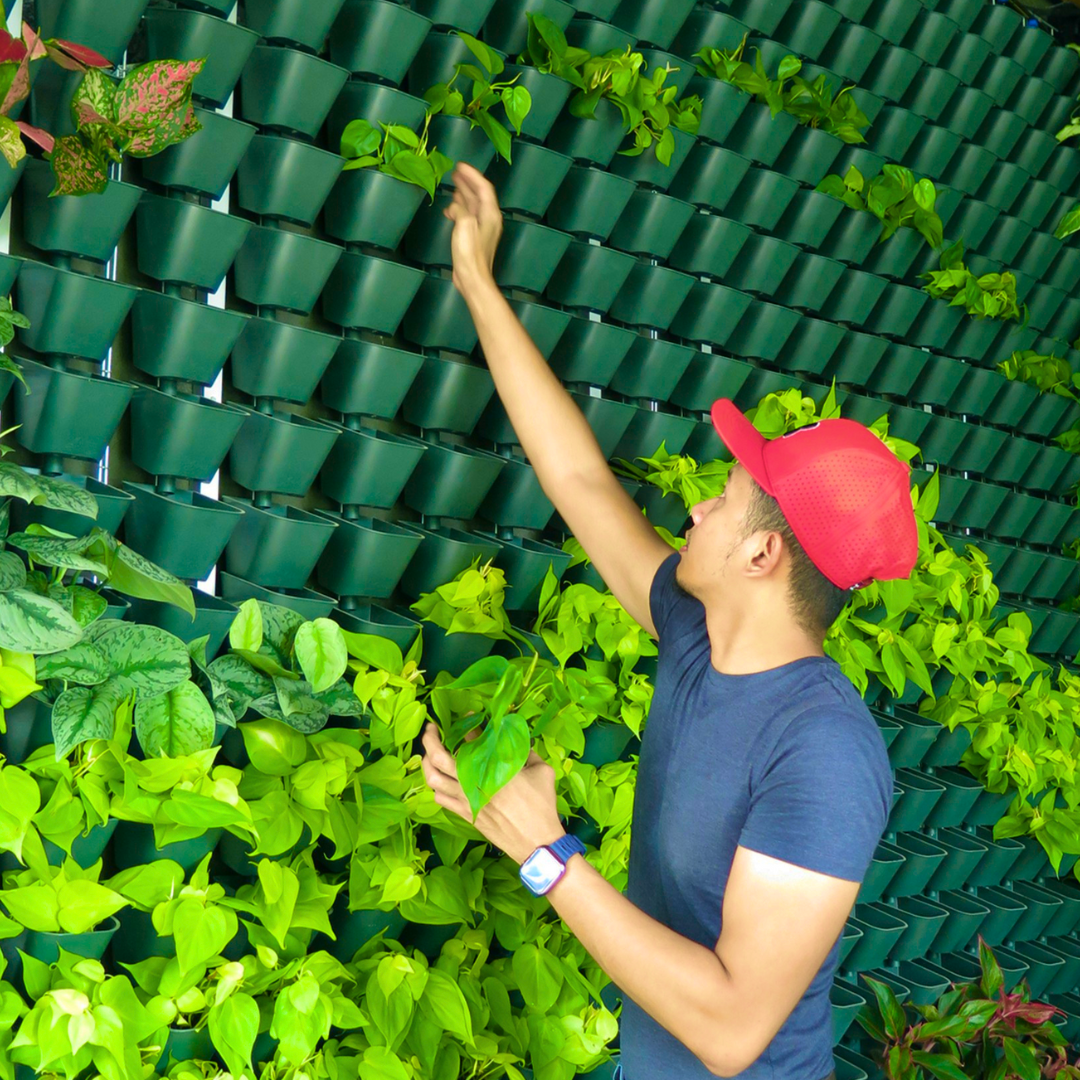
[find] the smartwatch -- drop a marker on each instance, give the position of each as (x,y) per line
(544,868)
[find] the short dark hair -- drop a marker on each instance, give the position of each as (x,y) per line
(815,600)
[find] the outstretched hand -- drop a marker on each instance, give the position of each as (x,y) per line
(521,816)
(477,227)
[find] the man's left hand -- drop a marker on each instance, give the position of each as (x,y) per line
(520,817)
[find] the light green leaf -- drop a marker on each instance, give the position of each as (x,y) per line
(35,624)
(246,631)
(321,652)
(493,759)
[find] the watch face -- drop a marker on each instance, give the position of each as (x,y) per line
(541,870)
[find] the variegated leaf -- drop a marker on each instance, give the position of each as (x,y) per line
(78,170)
(33,623)
(154,105)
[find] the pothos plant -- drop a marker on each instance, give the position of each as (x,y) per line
(396,151)
(894,196)
(486,93)
(649,108)
(1050,374)
(990,296)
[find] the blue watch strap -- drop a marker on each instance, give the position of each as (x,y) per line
(566,846)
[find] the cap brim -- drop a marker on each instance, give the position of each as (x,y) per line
(746,443)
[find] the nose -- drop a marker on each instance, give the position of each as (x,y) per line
(698,511)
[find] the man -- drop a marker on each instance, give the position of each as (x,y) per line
(763,786)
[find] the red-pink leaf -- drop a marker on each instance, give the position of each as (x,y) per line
(78,170)
(19,89)
(74,57)
(35,47)
(11,48)
(37,135)
(153,105)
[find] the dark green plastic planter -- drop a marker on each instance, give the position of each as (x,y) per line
(442,555)
(592,141)
(930,93)
(921,795)
(365,556)
(881,928)
(368,467)
(174,338)
(451,481)
(964,854)
(1065,918)
(893,258)
(895,311)
(354,929)
(1044,965)
(528,255)
(851,50)
(549,94)
(373,619)
(721,106)
(808,219)
(192,35)
(365,292)
(966,111)
(710,176)
(278,360)
(526,563)
(1000,857)
(950,746)
(649,429)
(545,325)
(294,21)
(368,378)
(73,224)
(377,39)
(1033,861)
(289,90)
(186,243)
(1068,976)
(467,15)
(852,238)
(307,603)
(92,944)
(935,325)
(591,352)
(761,199)
(1000,132)
(1005,911)
(761,265)
(854,297)
(651,224)
(717,27)
(922,857)
(1005,243)
(924,920)
(961,792)
(106,31)
(893,71)
(453,653)
(179,435)
(213,617)
(205,163)
(187,1044)
(710,314)
(276,546)
(762,331)
(1042,906)
(286,179)
(86,848)
(759,136)
(589,276)
(651,296)
(651,369)
(280,452)
(608,419)
(439,318)
(528,185)
(648,171)
(811,346)
(516,499)
(460,141)
(185,532)
(653,22)
(70,314)
(448,395)
(808,155)
(965,915)
(846,1003)
(283,270)
(1003,185)
(663,511)
(68,413)
(362,100)
(112,506)
(589,202)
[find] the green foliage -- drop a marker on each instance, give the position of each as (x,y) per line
(894,196)
(470,604)
(397,151)
(69,900)
(1051,374)
(649,109)
(487,93)
(813,104)
(1069,224)
(991,296)
(974,1030)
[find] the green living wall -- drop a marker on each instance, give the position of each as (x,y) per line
(246,359)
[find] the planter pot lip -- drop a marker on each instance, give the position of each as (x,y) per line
(69,374)
(149,199)
(145,391)
(229,121)
(287,53)
(309,148)
(298,594)
(290,418)
(368,524)
(99,485)
(377,434)
(461,448)
(303,238)
(180,300)
(30,266)
(204,502)
(109,926)
(287,512)
(190,14)
(35,165)
(448,533)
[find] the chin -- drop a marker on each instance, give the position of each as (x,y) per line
(682,579)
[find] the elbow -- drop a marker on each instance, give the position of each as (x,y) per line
(727,1065)
(732,1057)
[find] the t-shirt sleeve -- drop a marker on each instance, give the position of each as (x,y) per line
(823,800)
(664,596)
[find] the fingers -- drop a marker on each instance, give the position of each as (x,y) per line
(478,190)
(439,756)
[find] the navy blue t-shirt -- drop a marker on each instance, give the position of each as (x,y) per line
(788,763)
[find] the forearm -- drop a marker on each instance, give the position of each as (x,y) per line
(683,986)
(552,430)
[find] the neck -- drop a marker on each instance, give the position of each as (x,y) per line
(746,642)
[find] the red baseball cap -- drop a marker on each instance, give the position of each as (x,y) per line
(845,494)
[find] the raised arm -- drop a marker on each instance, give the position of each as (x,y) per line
(553,432)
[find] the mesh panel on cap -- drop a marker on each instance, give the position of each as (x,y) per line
(846,511)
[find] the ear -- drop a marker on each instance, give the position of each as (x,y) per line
(764,553)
